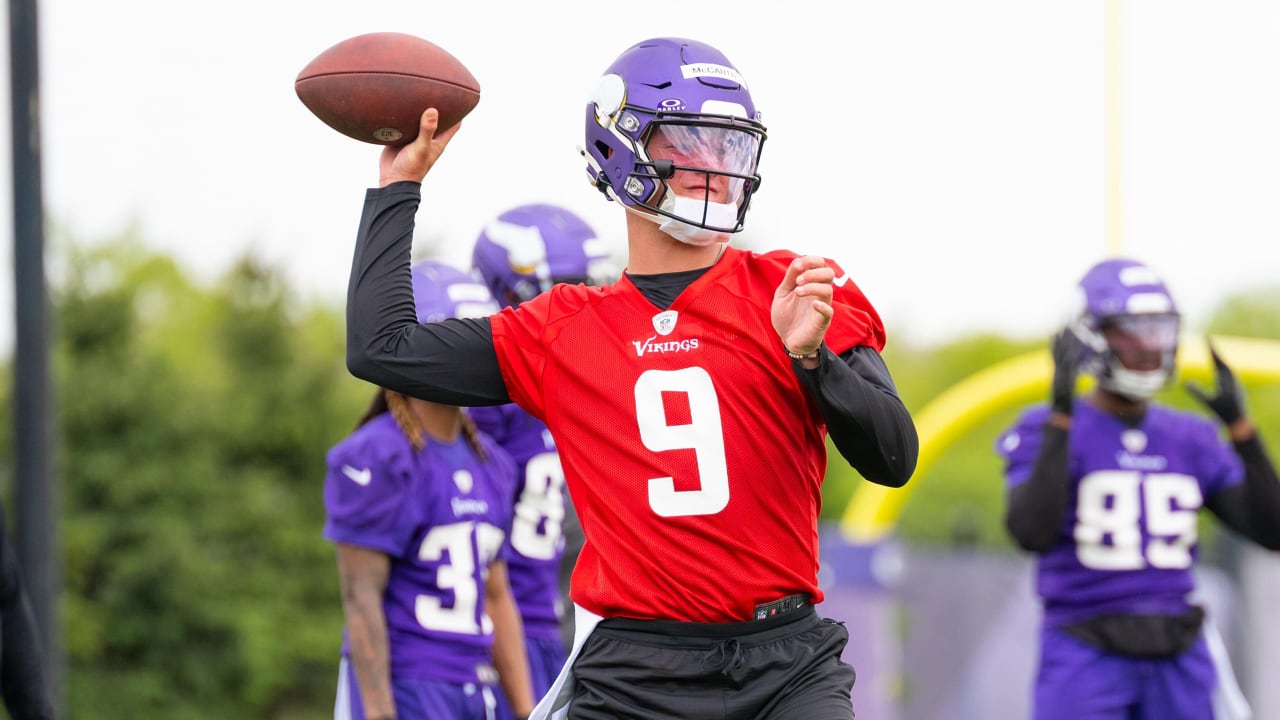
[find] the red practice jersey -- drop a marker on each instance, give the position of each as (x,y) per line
(693,454)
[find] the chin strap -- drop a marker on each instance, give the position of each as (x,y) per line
(1133,384)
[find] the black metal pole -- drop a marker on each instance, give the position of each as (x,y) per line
(32,427)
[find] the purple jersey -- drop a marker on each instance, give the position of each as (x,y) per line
(1128,540)
(537,539)
(442,515)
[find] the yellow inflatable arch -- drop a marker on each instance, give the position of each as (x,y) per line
(873,510)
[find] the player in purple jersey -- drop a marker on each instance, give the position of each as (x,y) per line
(1107,491)
(418,502)
(519,254)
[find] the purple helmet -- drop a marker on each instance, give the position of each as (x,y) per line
(527,249)
(1124,311)
(670,105)
(442,291)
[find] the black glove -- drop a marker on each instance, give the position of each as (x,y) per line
(1068,353)
(1228,402)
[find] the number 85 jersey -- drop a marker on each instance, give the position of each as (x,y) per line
(1128,539)
(693,455)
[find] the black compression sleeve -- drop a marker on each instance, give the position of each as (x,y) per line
(21,667)
(1252,508)
(1035,509)
(451,362)
(865,418)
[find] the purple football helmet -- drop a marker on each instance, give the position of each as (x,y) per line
(442,291)
(1129,323)
(527,249)
(668,108)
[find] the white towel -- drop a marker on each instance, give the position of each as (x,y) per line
(555,704)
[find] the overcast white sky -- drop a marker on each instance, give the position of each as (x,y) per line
(951,155)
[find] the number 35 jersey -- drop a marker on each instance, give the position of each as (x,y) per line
(1129,539)
(442,515)
(693,455)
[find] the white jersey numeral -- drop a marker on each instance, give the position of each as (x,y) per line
(703,434)
(539,514)
(1112,508)
(470,548)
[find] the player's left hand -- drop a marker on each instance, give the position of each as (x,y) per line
(1228,402)
(801,310)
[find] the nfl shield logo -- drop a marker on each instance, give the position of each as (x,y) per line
(664,322)
(1134,440)
(463,481)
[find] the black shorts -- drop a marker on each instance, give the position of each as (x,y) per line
(787,667)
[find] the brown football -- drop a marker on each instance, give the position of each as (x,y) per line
(374,87)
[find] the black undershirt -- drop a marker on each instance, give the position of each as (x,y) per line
(664,288)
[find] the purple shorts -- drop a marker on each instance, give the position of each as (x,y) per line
(417,698)
(1077,681)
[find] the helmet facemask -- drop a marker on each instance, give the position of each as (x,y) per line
(702,175)
(1141,354)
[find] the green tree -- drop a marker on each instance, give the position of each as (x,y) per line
(194,425)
